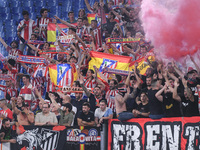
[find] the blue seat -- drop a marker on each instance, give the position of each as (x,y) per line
(16,9)
(29,9)
(40,3)
(3,3)
(27,3)
(15,3)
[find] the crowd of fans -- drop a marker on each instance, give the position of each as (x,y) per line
(164,90)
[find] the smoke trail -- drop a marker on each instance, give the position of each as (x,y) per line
(172,26)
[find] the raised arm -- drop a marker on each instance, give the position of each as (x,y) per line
(158,94)
(180,73)
(3,42)
(14,108)
(175,95)
(88,5)
(188,90)
(87,92)
(64,22)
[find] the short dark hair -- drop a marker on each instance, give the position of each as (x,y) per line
(34,35)
(77,83)
(27,76)
(42,10)
(73,29)
(115,81)
(85,18)
(103,101)
(80,18)
(86,104)
(4,120)
(70,12)
(25,12)
(94,21)
(92,71)
(68,105)
(14,42)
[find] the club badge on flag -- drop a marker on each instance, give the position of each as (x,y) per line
(53,33)
(102,60)
(63,74)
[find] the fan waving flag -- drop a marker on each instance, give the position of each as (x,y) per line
(142,62)
(63,74)
(102,60)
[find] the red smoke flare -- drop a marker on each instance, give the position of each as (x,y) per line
(172,26)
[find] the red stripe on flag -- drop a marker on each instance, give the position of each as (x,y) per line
(119,58)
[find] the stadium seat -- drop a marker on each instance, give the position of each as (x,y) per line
(3,3)
(28,3)
(15,3)
(29,9)
(16,9)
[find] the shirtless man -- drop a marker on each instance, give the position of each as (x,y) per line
(24,117)
(120,105)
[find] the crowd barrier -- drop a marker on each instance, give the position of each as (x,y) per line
(56,138)
(181,133)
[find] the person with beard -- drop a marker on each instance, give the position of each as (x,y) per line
(189,107)
(95,97)
(172,107)
(78,103)
(24,116)
(192,81)
(155,105)
(6,132)
(13,52)
(142,109)
(46,117)
(85,116)
(66,115)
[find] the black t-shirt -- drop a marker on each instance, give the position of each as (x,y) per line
(8,133)
(154,104)
(172,107)
(93,102)
(194,90)
(88,118)
(144,109)
(78,104)
(188,107)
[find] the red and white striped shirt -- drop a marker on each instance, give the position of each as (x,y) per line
(29,96)
(110,96)
(27,31)
(90,83)
(42,23)
(13,53)
(97,36)
(8,91)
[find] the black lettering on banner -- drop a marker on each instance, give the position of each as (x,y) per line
(191,133)
(127,135)
(163,135)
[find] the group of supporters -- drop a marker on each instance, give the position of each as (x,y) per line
(163,91)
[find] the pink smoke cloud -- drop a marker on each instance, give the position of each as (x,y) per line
(172,26)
